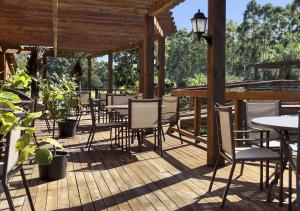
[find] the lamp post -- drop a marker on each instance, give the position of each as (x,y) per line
(199,22)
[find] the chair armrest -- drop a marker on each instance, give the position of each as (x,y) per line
(245,139)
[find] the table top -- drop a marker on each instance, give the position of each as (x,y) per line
(117,106)
(286,122)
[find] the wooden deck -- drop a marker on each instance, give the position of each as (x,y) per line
(106,179)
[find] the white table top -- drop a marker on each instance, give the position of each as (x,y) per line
(117,106)
(286,122)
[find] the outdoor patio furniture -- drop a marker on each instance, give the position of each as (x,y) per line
(145,115)
(170,113)
(233,154)
(294,166)
(99,126)
(263,108)
(83,98)
(9,167)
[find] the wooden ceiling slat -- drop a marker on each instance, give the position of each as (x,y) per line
(90,25)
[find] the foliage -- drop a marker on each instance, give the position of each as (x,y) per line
(27,144)
(20,80)
(57,94)
(125,69)
(197,80)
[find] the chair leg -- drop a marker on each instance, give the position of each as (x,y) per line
(267,174)
(160,144)
(228,185)
(290,188)
(261,178)
(79,118)
(163,134)
(155,141)
(88,141)
(27,189)
(242,168)
(8,196)
(214,174)
(91,141)
(297,192)
(179,133)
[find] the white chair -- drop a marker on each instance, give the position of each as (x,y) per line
(233,154)
(145,115)
(99,126)
(263,108)
(294,166)
(170,112)
(83,100)
(9,167)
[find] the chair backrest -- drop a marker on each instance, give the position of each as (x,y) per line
(122,100)
(84,97)
(11,153)
(170,109)
(144,113)
(109,100)
(261,108)
(225,131)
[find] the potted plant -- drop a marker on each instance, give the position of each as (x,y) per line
(14,117)
(58,96)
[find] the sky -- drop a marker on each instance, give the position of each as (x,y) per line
(235,9)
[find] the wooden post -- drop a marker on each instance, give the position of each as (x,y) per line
(239,116)
(89,60)
(141,69)
(255,73)
(216,72)
(197,110)
(110,73)
(2,66)
(161,65)
(45,70)
(149,57)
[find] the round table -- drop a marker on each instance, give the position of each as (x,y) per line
(286,123)
(281,124)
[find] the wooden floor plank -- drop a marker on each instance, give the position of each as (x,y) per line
(106,179)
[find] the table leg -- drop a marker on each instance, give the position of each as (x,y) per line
(280,171)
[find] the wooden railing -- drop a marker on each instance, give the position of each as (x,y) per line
(269,90)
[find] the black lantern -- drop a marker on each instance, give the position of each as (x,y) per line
(199,22)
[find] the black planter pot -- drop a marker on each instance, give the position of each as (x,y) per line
(67,128)
(57,169)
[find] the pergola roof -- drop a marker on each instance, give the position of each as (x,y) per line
(90,26)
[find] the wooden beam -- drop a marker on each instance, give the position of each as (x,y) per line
(2,66)
(159,6)
(158,28)
(55,24)
(149,57)
(141,69)
(216,72)
(89,60)
(110,73)
(161,66)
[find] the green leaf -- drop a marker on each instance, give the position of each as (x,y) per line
(23,141)
(26,152)
(30,130)
(52,142)
(30,117)
(10,96)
